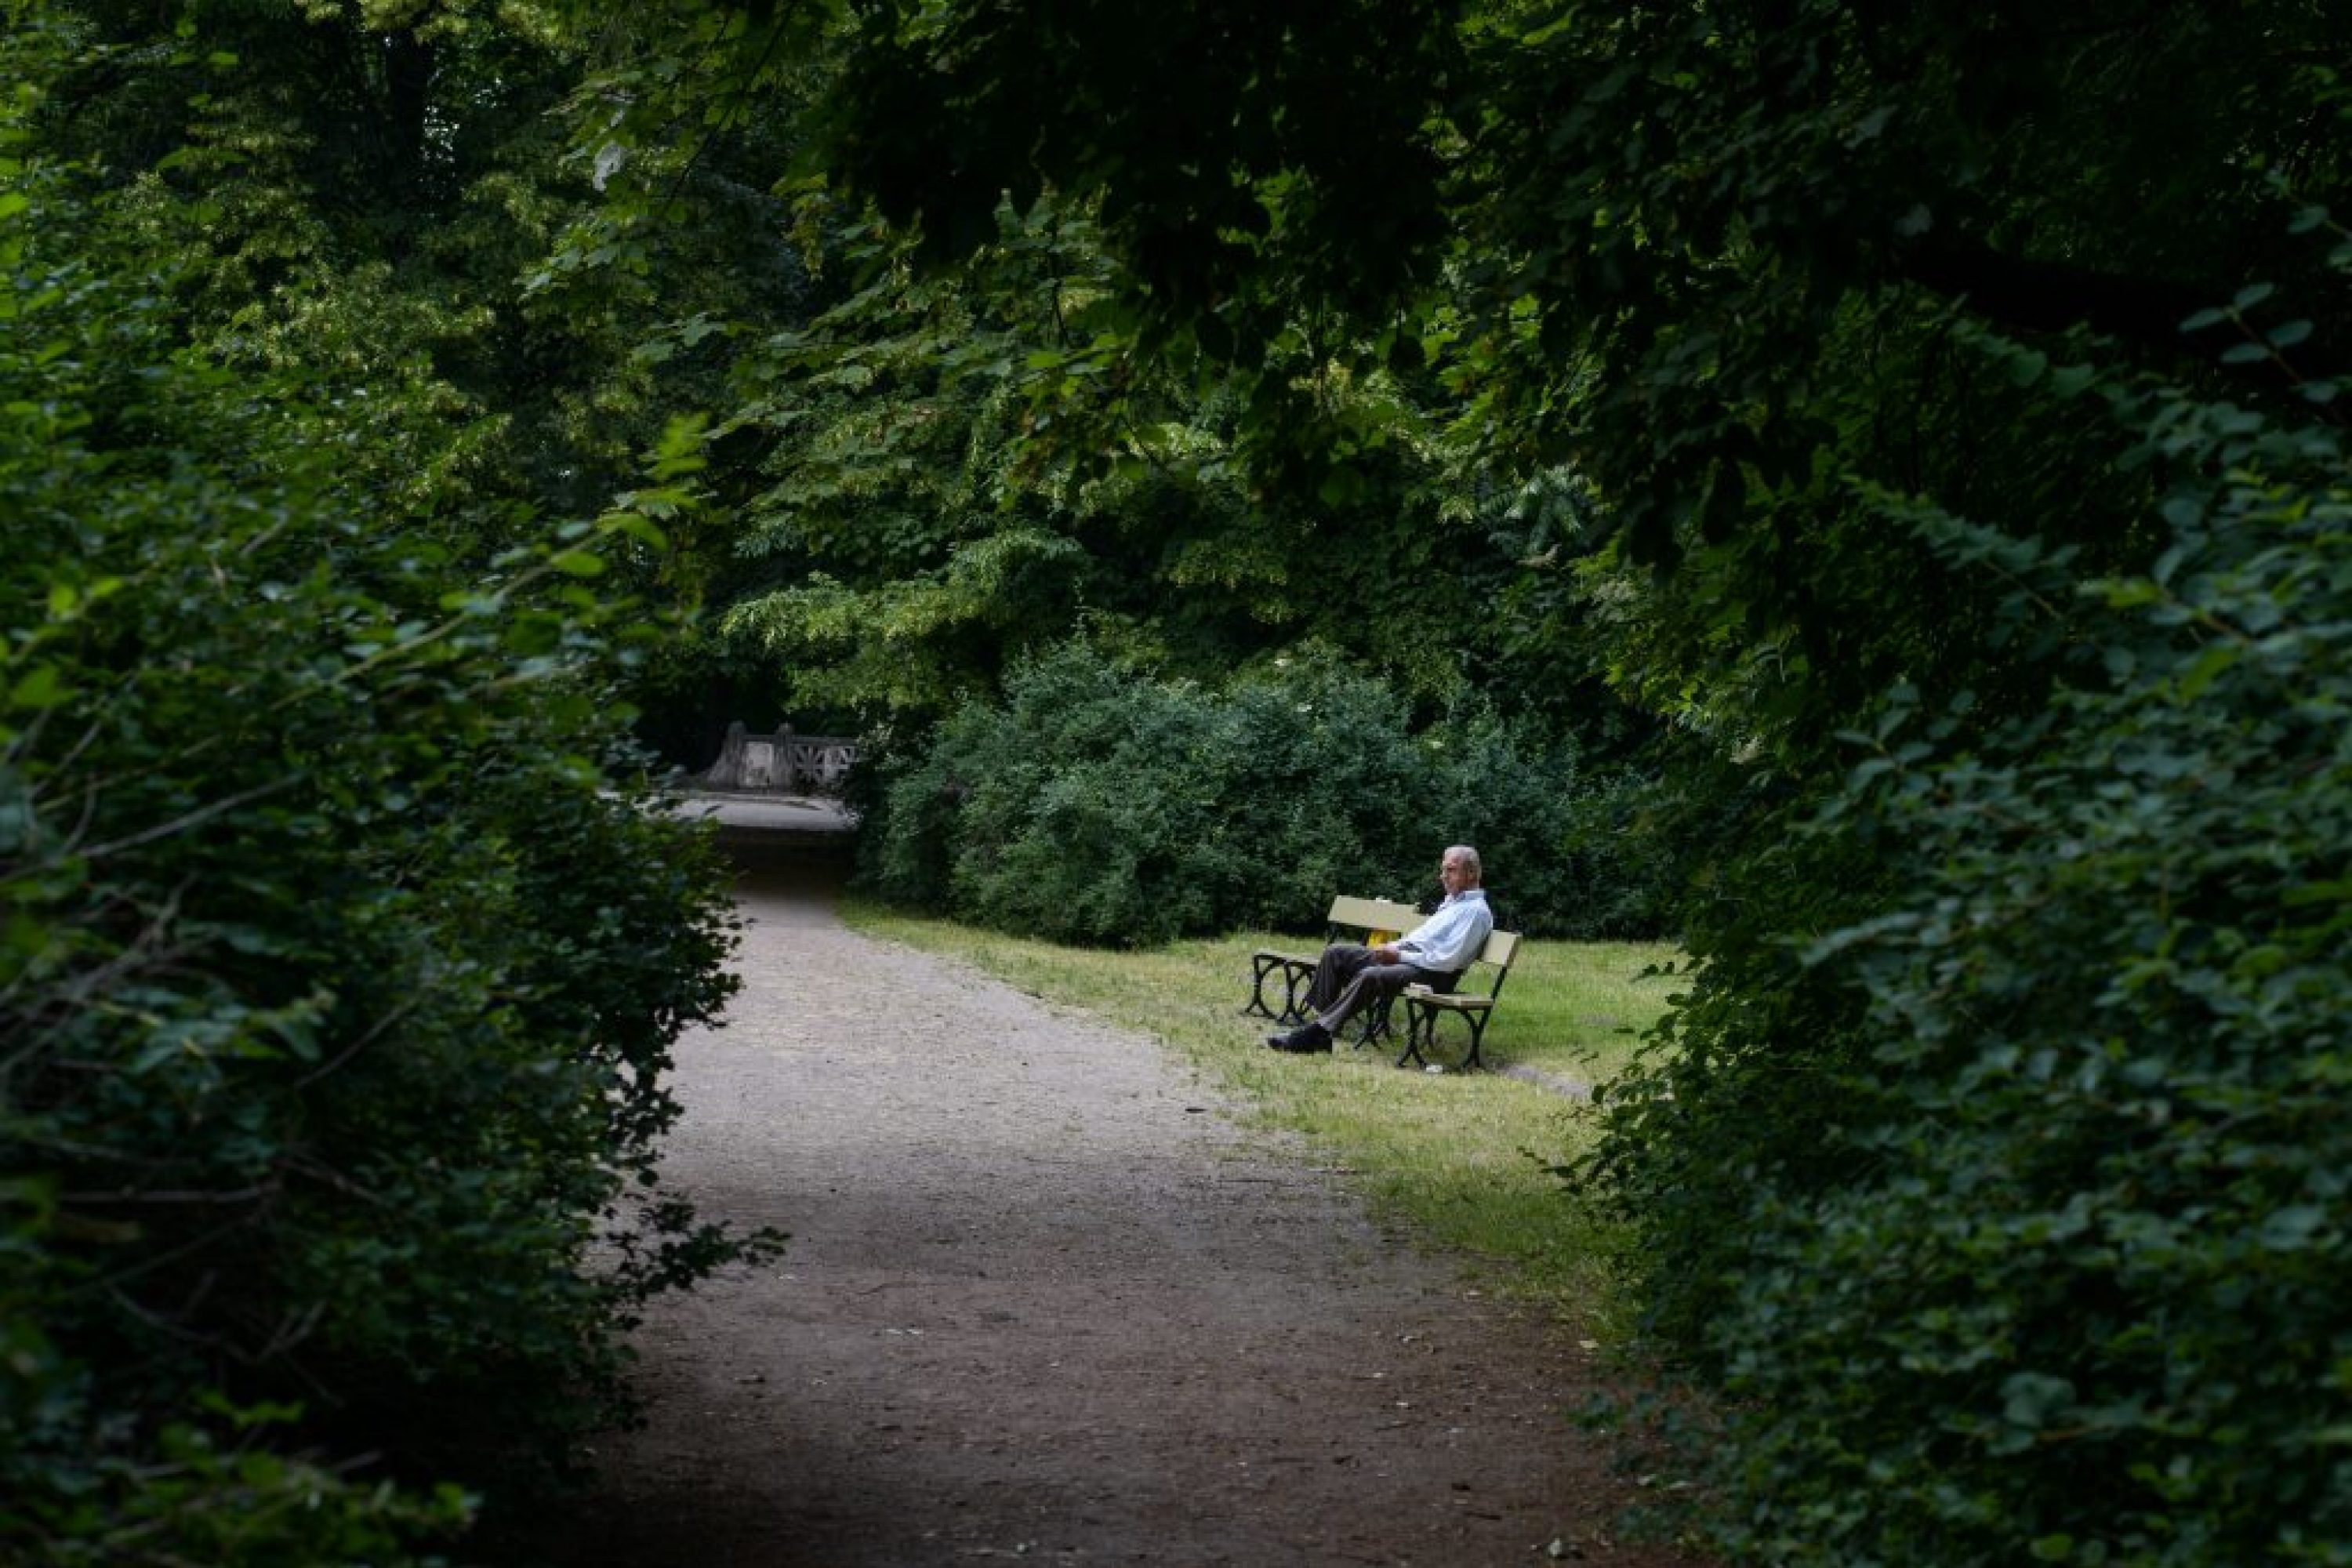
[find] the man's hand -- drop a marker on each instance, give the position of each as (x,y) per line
(1389,953)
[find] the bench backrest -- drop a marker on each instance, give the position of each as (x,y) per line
(1502,946)
(1372,914)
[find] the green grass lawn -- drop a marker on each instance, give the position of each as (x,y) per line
(1464,1158)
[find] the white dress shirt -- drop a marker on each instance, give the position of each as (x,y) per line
(1450,939)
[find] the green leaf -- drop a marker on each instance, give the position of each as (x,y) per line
(577,563)
(636,526)
(2029,1398)
(2293,1227)
(2072,379)
(39,687)
(2211,665)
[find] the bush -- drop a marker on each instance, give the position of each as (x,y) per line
(1099,806)
(339,963)
(2038,1251)
(1576,851)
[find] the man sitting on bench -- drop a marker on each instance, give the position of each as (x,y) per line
(1349,976)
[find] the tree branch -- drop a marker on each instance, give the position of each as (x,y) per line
(2052,296)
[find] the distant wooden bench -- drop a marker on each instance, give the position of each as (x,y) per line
(1423,1006)
(1348,917)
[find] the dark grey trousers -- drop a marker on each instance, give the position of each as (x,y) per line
(1348,979)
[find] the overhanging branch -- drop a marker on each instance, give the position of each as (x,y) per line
(2052,295)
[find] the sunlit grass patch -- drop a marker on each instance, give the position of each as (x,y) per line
(1465,1158)
(1577,1009)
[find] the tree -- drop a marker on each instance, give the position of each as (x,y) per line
(2051,1270)
(959,470)
(342,954)
(1810,295)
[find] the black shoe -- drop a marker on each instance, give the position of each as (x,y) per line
(1307,1038)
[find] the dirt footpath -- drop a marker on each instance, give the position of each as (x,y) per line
(1044,1301)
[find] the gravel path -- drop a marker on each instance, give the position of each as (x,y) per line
(1044,1301)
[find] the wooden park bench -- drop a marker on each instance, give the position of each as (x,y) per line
(1423,1006)
(1349,918)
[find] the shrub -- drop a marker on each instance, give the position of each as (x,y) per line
(2038,1251)
(339,966)
(1572,846)
(1099,806)
(1095,806)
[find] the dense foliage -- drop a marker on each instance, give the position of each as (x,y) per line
(2041,1248)
(342,955)
(939,478)
(942,475)
(1983,1165)
(1220,471)
(1095,804)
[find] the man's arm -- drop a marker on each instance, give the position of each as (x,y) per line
(1449,939)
